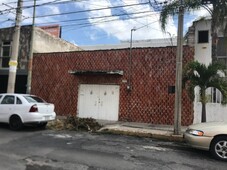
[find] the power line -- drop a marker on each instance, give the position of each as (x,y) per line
(15,2)
(100,17)
(116,32)
(93,10)
(5,21)
(82,25)
(89,10)
(26,7)
(154,6)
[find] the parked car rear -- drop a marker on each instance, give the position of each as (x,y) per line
(20,109)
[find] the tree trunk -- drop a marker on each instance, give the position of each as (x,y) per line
(214,47)
(203,119)
(214,32)
(203,101)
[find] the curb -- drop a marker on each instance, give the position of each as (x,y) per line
(168,136)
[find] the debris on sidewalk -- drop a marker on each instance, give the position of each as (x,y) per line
(75,123)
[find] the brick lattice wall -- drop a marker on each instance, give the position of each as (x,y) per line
(153,70)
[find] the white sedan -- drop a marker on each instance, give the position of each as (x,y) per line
(20,109)
(210,136)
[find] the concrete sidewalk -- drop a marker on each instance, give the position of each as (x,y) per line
(142,130)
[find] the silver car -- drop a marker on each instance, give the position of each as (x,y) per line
(210,136)
(20,109)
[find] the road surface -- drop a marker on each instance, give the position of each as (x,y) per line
(34,149)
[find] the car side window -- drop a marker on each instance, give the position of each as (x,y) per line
(8,100)
(19,101)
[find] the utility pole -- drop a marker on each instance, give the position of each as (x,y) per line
(29,78)
(178,89)
(15,47)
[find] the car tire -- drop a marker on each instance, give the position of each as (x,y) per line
(15,122)
(218,148)
(42,125)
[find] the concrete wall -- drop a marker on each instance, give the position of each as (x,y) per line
(203,50)
(44,42)
(214,112)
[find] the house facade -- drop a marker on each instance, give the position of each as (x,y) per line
(199,36)
(112,85)
(43,42)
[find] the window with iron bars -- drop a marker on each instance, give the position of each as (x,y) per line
(222,50)
(5,54)
(216,96)
(213,95)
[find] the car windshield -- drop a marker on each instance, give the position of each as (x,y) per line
(34,99)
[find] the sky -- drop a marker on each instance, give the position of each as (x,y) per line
(93,22)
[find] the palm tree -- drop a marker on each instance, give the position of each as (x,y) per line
(196,74)
(217,10)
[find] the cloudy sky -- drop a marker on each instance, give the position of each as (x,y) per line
(89,22)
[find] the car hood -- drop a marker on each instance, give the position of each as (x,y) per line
(211,128)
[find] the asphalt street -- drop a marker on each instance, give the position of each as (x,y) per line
(35,149)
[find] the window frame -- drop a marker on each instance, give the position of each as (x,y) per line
(5,102)
(20,101)
(199,35)
(5,44)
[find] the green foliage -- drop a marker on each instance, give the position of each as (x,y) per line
(218,12)
(173,8)
(196,74)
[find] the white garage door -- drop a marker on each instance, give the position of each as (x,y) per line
(98,101)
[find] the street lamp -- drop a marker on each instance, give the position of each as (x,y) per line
(129,87)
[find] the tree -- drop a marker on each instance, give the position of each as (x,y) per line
(197,74)
(217,10)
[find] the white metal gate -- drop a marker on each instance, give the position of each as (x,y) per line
(98,101)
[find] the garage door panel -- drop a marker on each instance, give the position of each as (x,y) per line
(88,103)
(109,97)
(99,101)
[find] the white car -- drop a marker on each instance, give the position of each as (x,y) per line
(20,109)
(211,136)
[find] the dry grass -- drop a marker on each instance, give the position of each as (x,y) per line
(74,123)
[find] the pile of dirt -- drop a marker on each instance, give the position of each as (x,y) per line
(75,123)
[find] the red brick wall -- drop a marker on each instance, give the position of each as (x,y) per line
(153,70)
(54,30)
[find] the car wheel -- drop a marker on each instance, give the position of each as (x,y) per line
(15,123)
(218,148)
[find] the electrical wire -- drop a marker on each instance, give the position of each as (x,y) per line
(83,25)
(90,18)
(31,6)
(88,10)
(100,22)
